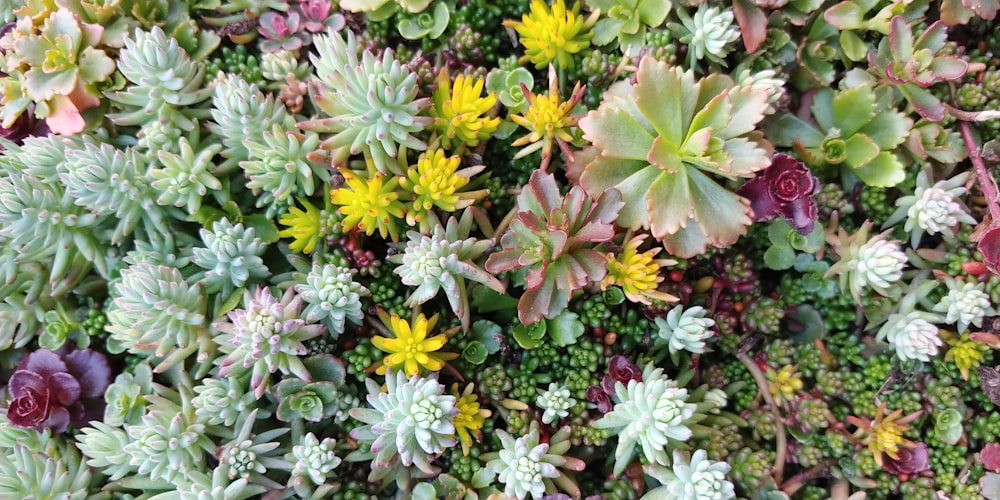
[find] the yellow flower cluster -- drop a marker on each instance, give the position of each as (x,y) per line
(437,182)
(458,111)
(470,417)
(553,33)
(638,274)
(411,349)
(548,119)
(369,204)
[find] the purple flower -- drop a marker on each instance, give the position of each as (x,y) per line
(785,188)
(51,390)
(909,461)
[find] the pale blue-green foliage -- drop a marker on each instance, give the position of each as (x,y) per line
(409,424)
(126,397)
(278,168)
(19,321)
(34,474)
(249,455)
(239,112)
(112,184)
(199,485)
(166,83)
(155,311)
(332,296)
(158,137)
(231,256)
(185,178)
(169,443)
(221,401)
(314,459)
(104,446)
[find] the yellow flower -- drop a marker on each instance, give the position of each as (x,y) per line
(369,204)
(458,111)
(638,274)
(437,182)
(553,34)
(885,433)
(966,353)
(784,384)
(411,349)
(470,417)
(548,120)
(304,227)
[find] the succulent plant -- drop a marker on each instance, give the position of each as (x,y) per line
(230,258)
(51,390)
(427,24)
(458,111)
(470,418)
(528,467)
(36,474)
(239,112)
(315,400)
(444,261)
(884,433)
(555,403)
(249,455)
(638,274)
(384,7)
(549,120)
(370,202)
(696,479)
(707,33)
(553,33)
(554,237)
(408,425)
(933,209)
(217,486)
(685,329)
(409,349)
(166,83)
(371,103)
(312,459)
(912,334)
(786,188)
(184,178)
(318,16)
(57,64)
(853,129)
(104,445)
(660,165)
(222,401)
(332,296)
(628,21)
(282,31)
(965,304)
(278,168)
(911,65)
(651,412)
(126,397)
(265,338)
(155,311)
(169,443)
(868,263)
(436,182)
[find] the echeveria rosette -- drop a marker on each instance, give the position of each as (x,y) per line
(628,21)
(865,263)
(264,338)
(786,188)
(528,467)
(912,65)
(50,390)
(657,142)
(934,209)
(852,129)
(313,401)
(282,32)
(696,479)
(554,235)
(370,103)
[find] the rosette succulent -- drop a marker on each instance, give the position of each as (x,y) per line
(685,329)
(638,274)
(658,141)
(458,111)
(933,209)
(628,21)
(332,297)
(786,188)
(552,33)
(527,467)
(444,261)
(370,102)
(553,236)
(697,479)
(912,334)
(555,403)
(278,168)
(166,83)
(868,263)
(25,473)
(315,400)
(51,390)
(240,112)
(231,256)
(221,401)
(707,34)
(55,63)
(264,338)
(184,178)
(852,129)
(169,442)
(437,182)
(314,460)
(653,413)
(965,304)
(408,425)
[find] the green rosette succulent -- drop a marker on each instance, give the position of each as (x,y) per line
(314,400)
(628,20)
(554,237)
(57,66)
(853,129)
(658,141)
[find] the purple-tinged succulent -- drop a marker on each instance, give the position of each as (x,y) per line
(990,457)
(282,32)
(989,247)
(52,390)
(908,462)
(620,369)
(786,188)
(317,16)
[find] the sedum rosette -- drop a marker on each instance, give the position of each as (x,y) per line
(332,296)
(912,334)
(697,479)
(933,209)
(660,141)
(868,263)
(527,467)
(685,329)
(966,304)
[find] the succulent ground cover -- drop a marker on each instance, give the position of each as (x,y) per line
(470,249)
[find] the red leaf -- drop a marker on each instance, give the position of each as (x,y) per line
(753,23)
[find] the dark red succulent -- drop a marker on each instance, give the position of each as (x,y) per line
(989,246)
(620,369)
(785,188)
(990,457)
(908,462)
(52,390)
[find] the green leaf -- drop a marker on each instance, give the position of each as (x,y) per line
(845,16)
(486,300)
(613,296)
(475,352)
(263,227)
(929,106)
(722,215)
(860,150)
(948,426)
(231,302)
(324,367)
(810,243)
(883,171)
(888,129)
(565,328)
(660,96)
(530,336)
(779,258)
(789,128)
(668,203)
(852,109)
(289,386)
(487,332)
(617,134)
(853,46)
(652,13)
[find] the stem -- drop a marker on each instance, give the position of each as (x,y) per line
(799,480)
(782,442)
(986,182)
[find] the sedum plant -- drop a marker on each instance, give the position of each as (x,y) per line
(553,33)
(278,168)
(554,238)
(638,274)
(659,140)
(410,349)
(56,64)
(369,202)
(313,461)
(437,182)
(315,400)
(458,111)
(265,338)
(444,261)
(966,303)
(169,442)
(708,33)
(332,297)
(695,479)
(370,102)
(25,473)
(865,263)
(230,257)
(628,21)
(184,178)
(933,209)
(527,467)
(240,112)
(852,129)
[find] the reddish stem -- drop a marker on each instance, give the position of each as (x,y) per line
(987,184)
